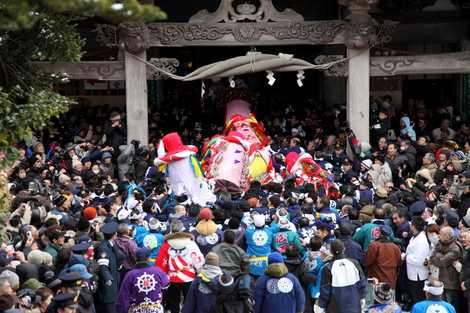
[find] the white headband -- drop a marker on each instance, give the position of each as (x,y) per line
(434,290)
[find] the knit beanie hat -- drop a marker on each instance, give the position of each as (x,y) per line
(382,293)
(206,214)
(275,257)
(89,213)
(212,259)
(33,284)
(367,163)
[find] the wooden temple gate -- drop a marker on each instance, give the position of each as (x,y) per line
(249,25)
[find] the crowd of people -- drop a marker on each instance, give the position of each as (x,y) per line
(93,226)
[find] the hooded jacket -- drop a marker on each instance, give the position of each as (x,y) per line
(343,285)
(278,291)
(128,248)
(202,295)
(180,257)
(408,129)
(230,258)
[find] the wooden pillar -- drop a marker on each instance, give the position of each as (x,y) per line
(360,31)
(358,93)
(136,98)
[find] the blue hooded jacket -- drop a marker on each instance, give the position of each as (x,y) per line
(278,291)
(343,285)
(408,130)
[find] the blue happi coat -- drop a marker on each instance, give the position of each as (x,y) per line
(259,242)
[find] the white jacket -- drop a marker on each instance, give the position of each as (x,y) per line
(416,253)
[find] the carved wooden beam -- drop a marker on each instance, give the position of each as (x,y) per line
(445,63)
(234,34)
(246,34)
(105,70)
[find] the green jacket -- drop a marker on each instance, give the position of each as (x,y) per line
(283,239)
(369,232)
(53,250)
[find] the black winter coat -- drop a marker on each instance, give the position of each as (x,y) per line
(105,293)
(465,273)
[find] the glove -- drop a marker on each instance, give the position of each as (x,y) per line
(103,262)
(109,283)
(363,305)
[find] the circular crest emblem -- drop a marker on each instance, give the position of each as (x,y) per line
(150,242)
(260,237)
(436,308)
(146,283)
(375,232)
(272,286)
(212,239)
(285,285)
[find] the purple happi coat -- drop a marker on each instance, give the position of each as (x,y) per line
(141,290)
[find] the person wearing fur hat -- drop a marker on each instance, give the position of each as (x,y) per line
(179,257)
(206,234)
(278,291)
(141,289)
(202,294)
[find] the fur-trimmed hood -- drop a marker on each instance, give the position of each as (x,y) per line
(277,270)
(179,240)
(178,235)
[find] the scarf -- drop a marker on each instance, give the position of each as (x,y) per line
(209,272)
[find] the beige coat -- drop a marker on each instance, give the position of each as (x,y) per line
(381,175)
